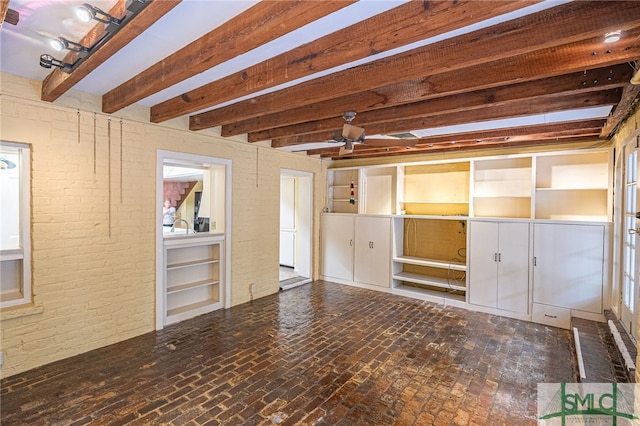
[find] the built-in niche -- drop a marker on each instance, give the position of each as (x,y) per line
(192,245)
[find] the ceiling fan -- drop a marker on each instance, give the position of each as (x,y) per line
(353,134)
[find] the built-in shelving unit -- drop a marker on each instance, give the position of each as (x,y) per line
(339,198)
(504,202)
(429,257)
(192,277)
(573,186)
(436,189)
(380,189)
(502,187)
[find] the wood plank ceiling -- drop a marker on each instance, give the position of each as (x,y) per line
(547,62)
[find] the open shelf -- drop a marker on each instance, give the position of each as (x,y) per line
(427,281)
(502,187)
(189,286)
(339,190)
(190,307)
(421,291)
(191,263)
(429,257)
(410,260)
(192,277)
(436,189)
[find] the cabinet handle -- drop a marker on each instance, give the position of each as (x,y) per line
(499,257)
(550,316)
(535,261)
(350,243)
(495,257)
(632,231)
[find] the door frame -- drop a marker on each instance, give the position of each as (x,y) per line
(304,222)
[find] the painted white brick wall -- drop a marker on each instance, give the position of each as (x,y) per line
(93,246)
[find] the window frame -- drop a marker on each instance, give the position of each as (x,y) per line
(23,293)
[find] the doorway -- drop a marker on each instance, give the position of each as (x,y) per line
(630,285)
(296,206)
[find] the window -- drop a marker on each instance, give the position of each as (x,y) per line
(15,240)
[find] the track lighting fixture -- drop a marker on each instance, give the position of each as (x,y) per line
(86,13)
(62,43)
(47,61)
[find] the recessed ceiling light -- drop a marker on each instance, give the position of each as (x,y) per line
(612,37)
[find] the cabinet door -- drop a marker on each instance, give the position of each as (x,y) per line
(513,267)
(499,265)
(372,252)
(483,270)
(337,246)
(568,266)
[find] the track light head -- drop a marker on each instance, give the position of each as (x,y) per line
(61,43)
(86,13)
(48,61)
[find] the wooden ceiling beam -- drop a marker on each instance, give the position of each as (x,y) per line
(551,131)
(260,24)
(622,109)
(399,26)
(519,108)
(549,28)
(58,82)
(577,57)
(582,82)
(469,146)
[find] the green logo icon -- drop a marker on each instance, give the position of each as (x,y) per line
(586,403)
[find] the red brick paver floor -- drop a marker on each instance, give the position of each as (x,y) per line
(321,354)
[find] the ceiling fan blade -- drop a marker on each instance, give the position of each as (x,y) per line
(352,132)
(391,142)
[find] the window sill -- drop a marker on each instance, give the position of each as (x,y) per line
(20,311)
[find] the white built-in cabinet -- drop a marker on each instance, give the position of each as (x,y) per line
(337,243)
(193,272)
(372,250)
(537,241)
(568,270)
(499,265)
(356,249)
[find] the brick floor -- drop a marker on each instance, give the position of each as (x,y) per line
(602,360)
(320,353)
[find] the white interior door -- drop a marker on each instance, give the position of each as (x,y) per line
(628,310)
(287,220)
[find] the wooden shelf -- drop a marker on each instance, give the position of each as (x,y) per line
(434,202)
(192,278)
(435,294)
(191,263)
(572,189)
(189,286)
(428,281)
(191,307)
(430,262)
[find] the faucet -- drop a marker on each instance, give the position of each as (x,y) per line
(180,220)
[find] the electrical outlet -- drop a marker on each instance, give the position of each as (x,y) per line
(252,288)
(1,358)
